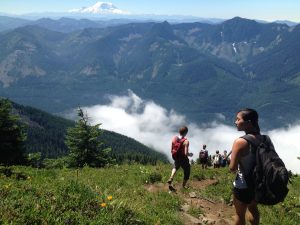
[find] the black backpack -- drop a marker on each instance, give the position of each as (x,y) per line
(269,177)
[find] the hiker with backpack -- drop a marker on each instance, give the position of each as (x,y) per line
(251,158)
(180,153)
(217,158)
(203,157)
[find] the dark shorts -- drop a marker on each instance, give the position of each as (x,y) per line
(185,165)
(243,195)
(203,161)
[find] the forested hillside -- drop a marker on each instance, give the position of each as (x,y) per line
(46,134)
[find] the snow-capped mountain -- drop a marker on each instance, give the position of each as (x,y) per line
(100,8)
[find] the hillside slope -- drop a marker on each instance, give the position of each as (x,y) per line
(46,132)
(128,194)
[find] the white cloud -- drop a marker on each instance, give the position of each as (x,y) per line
(155,126)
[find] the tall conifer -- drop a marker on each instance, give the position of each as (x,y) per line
(84,145)
(12,136)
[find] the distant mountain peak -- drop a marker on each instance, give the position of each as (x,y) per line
(239,20)
(163,30)
(100,8)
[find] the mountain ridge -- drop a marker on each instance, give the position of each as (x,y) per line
(251,66)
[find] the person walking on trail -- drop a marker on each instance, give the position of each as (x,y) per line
(217,159)
(203,157)
(242,162)
(180,153)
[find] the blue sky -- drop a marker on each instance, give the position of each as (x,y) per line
(269,10)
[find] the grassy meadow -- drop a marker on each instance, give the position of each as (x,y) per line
(116,195)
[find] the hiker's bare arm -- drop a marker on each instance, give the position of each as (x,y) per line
(239,146)
(186,148)
(172,143)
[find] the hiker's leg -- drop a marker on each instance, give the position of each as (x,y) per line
(240,211)
(186,172)
(184,183)
(253,215)
(173,172)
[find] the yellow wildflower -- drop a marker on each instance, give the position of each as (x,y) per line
(103,204)
(7,186)
(109,198)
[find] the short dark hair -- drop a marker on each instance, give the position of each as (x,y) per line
(183,130)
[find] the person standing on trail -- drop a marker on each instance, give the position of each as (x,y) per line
(217,158)
(242,162)
(203,157)
(180,153)
(225,159)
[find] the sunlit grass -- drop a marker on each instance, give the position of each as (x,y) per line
(116,195)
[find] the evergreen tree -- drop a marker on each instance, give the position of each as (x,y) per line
(84,145)
(12,136)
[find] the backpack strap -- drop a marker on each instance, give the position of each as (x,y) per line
(255,141)
(181,140)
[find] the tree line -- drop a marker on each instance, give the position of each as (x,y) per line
(30,136)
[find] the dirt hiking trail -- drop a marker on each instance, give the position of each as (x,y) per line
(212,212)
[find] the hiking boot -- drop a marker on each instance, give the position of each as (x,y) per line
(170,181)
(171,188)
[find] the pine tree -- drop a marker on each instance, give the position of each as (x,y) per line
(12,136)
(84,145)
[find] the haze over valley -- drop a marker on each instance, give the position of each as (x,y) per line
(153,125)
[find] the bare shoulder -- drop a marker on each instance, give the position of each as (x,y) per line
(240,141)
(240,144)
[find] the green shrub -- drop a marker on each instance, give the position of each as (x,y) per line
(34,159)
(196,212)
(58,163)
(155,177)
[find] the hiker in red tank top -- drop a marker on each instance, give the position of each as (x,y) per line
(180,153)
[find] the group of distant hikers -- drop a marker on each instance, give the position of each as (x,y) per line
(261,176)
(217,160)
